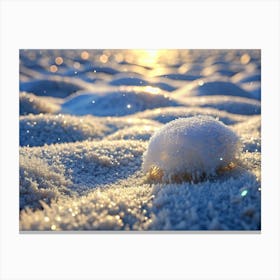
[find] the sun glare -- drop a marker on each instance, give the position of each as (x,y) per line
(148,58)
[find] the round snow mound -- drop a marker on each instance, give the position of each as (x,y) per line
(190,149)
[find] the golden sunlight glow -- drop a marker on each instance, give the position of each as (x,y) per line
(151,58)
(245,58)
(53,227)
(85,55)
(119,57)
(103,58)
(59,60)
(147,57)
(183,68)
(147,127)
(152,54)
(53,68)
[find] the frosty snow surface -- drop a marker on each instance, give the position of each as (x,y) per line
(86,119)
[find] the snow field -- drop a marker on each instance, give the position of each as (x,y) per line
(94,123)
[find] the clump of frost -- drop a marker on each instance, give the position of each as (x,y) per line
(190,149)
(78,167)
(40,182)
(250,134)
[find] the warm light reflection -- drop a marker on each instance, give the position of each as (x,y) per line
(147,57)
(152,90)
(147,127)
(152,54)
(103,58)
(53,227)
(200,82)
(85,55)
(119,57)
(154,58)
(183,68)
(245,58)
(53,68)
(59,60)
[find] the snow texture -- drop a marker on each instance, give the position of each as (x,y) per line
(133,140)
(31,104)
(234,105)
(38,130)
(168,114)
(99,104)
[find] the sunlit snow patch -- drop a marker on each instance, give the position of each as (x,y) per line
(190,149)
(117,103)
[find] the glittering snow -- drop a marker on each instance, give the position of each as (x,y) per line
(120,140)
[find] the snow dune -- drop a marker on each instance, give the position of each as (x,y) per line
(88,117)
(125,102)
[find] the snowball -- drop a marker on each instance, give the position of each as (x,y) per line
(189,149)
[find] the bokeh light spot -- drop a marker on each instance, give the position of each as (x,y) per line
(245,58)
(53,68)
(103,58)
(244,193)
(59,60)
(85,55)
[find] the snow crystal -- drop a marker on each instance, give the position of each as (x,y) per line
(216,205)
(190,149)
(86,165)
(40,181)
(197,208)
